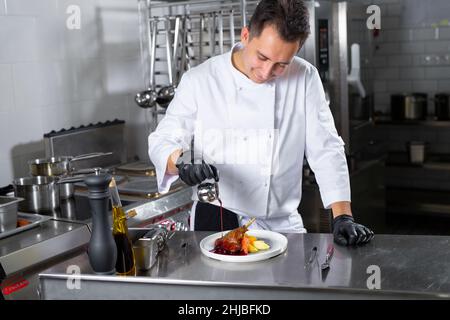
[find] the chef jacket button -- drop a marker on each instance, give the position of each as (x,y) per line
(245,138)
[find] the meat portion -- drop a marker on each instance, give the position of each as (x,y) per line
(231,243)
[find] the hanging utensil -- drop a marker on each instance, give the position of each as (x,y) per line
(232,34)
(183,48)
(220,18)
(147,98)
(200,39)
(166,94)
(175,48)
(212,33)
(189,43)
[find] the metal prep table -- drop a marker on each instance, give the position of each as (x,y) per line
(410,267)
(25,254)
(67,233)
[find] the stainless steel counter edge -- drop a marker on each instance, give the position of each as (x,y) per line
(147,210)
(280,287)
(45,250)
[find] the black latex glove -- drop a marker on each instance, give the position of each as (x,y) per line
(196,173)
(347,232)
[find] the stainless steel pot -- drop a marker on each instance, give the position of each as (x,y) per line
(41,194)
(442,106)
(57,166)
(62,167)
(409,106)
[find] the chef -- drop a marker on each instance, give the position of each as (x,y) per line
(247,119)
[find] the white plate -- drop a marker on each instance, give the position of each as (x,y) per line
(276,241)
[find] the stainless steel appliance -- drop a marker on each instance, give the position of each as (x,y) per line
(136,179)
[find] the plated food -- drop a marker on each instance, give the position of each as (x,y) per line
(238,242)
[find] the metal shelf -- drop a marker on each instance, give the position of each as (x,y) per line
(426,123)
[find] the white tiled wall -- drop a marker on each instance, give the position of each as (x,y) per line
(410,54)
(52,77)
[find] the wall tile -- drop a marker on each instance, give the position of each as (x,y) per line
(437,73)
(34,85)
(437,46)
(412,73)
(443,86)
(19,40)
(388,48)
(2,7)
(394,9)
(390,22)
(123,76)
(412,47)
(399,86)
(6,176)
(398,35)
(50,42)
(120,34)
(426,86)
(31,7)
(423,34)
(379,86)
(387,73)
(6,88)
(379,61)
(400,60)
(444,33)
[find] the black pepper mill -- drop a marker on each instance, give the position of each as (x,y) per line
(102,249)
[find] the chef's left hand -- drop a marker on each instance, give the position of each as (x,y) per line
(347,232)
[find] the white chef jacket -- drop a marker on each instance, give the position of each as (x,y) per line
(257,136)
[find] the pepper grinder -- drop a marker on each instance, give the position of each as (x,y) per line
(102,249)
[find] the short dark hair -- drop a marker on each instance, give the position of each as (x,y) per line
(289,17)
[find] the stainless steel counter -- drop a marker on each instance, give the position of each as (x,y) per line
(410,267)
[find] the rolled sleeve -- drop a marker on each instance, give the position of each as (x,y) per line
(324,147)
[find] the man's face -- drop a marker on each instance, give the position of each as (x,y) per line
(267,56)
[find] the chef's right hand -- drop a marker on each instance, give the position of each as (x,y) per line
(195,173)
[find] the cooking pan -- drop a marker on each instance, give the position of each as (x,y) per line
(57,166)
(409,106)
(41,194)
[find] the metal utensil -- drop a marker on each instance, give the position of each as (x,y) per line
(166,94)
(232,35)
(220,18)
(200,39)
(183,48)
(330,251)
(212,33)
(208,192)
(147,98)
(312,258)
